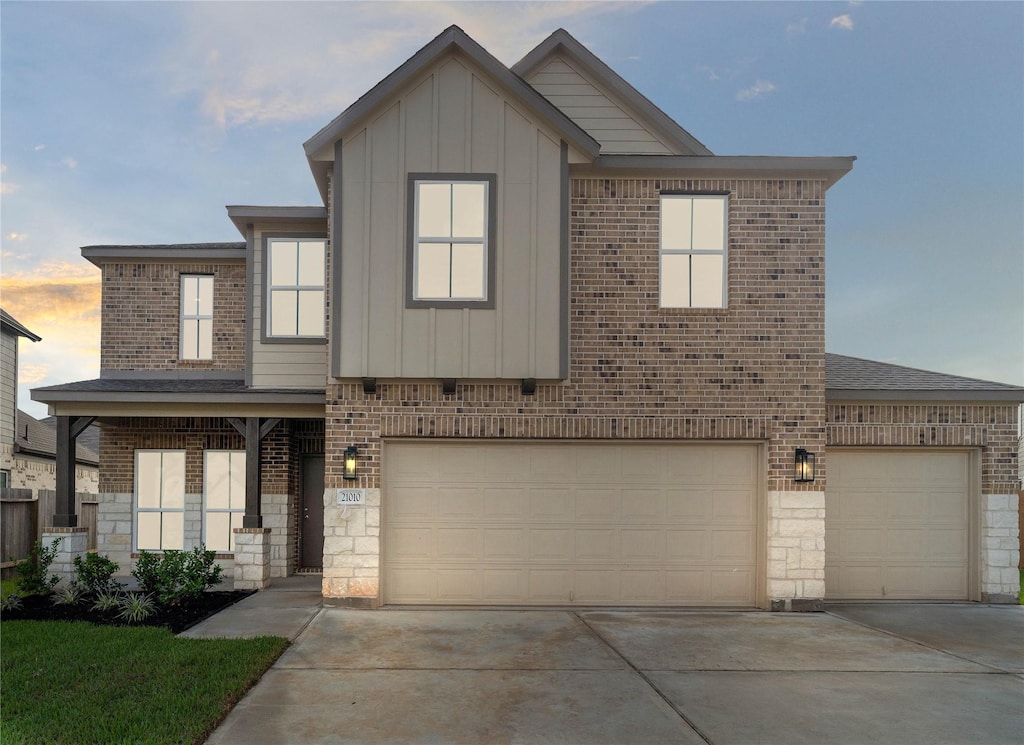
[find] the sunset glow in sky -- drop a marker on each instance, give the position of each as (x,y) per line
(137,122)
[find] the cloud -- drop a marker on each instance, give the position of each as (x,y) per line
(38,148)
(69,162)
(327,56)
(760,89)
(6,187)
(16,237)
(797,27)
(844,22)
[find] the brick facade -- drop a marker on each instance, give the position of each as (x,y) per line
(141,316)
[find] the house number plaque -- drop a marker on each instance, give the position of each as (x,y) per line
(349,497)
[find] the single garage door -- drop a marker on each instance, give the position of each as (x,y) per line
(896,525)
(555,523)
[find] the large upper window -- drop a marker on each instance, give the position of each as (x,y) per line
(160,499)
(196,317)
(693,257)
(224,496)
(295,288)
(451,239)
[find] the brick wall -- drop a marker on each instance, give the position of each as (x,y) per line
(755,370)
(141,310)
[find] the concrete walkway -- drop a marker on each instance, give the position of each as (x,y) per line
(285,609)
(855,674)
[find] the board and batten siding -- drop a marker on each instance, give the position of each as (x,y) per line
(451,120)
(595,111)
(8,386)
(281,365)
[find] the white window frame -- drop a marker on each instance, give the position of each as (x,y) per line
(236,502)
(163,511)
(689,250)
(415,298)
(297,288)
(192,315)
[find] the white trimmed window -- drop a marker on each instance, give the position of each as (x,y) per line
(196,317)
(223,497)
(693,250)
(295,290)
(451,239)
(159,499)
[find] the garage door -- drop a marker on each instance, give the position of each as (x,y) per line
(556,523)
(896,525)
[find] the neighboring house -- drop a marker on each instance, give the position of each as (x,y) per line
(10,331)
(538,346)
(35,452)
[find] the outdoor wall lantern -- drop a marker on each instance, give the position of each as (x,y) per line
(804,466)
(351,464)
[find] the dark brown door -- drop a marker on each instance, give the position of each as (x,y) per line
(312,528)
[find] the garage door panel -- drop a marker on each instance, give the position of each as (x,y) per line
(642,545)
(505,503)
(896,525)
(597,504)
(551,503)
(504,544)
(732,546)
(688,505)
(458,543)
(551,545)
(643,505)
(597,545)
(458,504)
(557,523)
(688,545)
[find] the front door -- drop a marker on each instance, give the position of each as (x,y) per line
(312,529)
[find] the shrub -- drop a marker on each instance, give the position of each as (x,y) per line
(95,574)
(10,602)
(136,608)
(32,579)
(177,575)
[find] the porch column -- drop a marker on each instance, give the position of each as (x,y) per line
(68,430)
(253,430)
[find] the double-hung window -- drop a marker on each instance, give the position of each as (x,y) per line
(223,496)
(295,288)
(160,499)
(196,317)
(451,241)
(693,250)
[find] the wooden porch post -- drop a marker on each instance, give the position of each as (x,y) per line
(253,431)
(68,430)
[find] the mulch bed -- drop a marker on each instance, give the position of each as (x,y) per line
(176,618)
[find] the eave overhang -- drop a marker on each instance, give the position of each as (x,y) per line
(828,168)
(245,216)
(100,255)
(320,147)
(835,395)
(14,327)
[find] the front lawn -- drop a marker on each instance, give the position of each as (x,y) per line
(68,683)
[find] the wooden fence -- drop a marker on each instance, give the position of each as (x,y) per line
(23,515)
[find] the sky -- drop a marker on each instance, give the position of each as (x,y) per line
(138,122)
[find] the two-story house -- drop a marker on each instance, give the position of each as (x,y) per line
(538,346)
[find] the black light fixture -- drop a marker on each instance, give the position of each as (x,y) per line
(369,385)
(351,464)
(448,386)
(803,466)
(529,386)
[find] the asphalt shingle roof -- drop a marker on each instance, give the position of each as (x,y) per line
(39,437)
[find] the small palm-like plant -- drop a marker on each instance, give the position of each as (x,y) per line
(10,602)
(107,601)
(70,595)
(136,608)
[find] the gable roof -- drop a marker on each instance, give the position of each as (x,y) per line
(855,378)
(452,39)
(10,324)
(561,42)
(39,438)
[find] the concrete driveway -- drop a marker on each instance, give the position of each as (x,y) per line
(855,674)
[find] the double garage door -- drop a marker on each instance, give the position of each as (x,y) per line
(481,523)
(897,525)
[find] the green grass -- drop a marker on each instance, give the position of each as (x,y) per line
(67,683)
(8,586)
